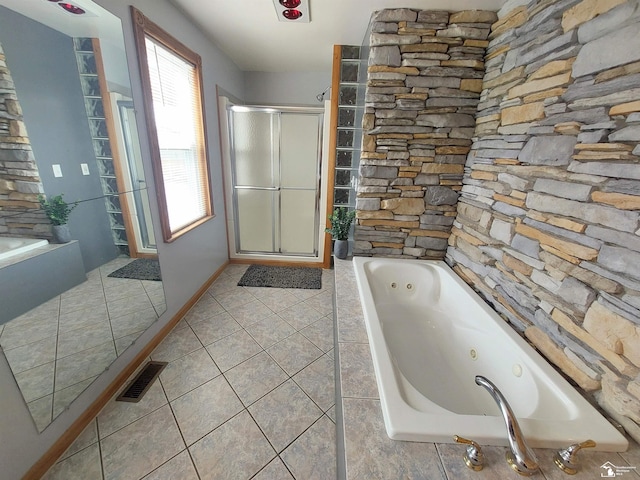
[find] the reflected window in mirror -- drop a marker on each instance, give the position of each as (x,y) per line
(172,83)
(67,311)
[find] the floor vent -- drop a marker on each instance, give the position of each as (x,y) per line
(139,386)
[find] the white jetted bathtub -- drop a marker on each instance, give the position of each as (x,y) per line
(430,335)
(12,246)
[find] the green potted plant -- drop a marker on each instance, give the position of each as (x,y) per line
(57,211)
(341,220)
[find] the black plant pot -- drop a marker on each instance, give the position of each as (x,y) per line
(341,248)
(61,233)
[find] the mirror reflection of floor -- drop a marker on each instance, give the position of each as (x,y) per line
(249,392)
(57,349)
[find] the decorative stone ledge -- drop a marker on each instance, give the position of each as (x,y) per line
(424,83)
(547,224)
(19,178)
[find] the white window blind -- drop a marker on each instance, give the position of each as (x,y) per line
(178,118)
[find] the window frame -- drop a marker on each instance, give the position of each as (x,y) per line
(143,28)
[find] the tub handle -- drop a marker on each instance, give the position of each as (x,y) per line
(473,458)
(566,459)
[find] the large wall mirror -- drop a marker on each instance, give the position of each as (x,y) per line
(67,126)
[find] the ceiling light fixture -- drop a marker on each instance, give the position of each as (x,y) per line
(292,10)
(72,8)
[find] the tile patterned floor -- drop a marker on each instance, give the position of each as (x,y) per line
(58,348)
(248,394)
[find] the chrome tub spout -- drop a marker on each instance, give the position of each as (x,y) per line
(520,457)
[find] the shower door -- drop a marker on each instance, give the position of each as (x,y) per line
(275,160)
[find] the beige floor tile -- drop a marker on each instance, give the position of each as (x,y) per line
(93,298)
(205,408)
(234,297)
(303,293)
(175,345)
(142,446)
(270,330)
(284,413)
(117,415)
(84,464)
(255,377)
(36,382)
(331,413)
(278,299)
(236,271)
(63,398)
(123,343)
(313,455)
(188,372)
(320,333)
(249,313)
(322,302)
(89,436)
(179,467)
(300,315)
(318,381)
(206,307)
(31,355)
(82,365)
(235,451)
(125,289)
(223,283)
(233,350)
(357,377)
(83,318)
(41,411)
(215,328)
(128,305)
(294,353)
(274,471)
(75,341)
(372,454)
(133,322)
(18,335)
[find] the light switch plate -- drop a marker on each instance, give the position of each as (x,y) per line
(57,171)
(85,168)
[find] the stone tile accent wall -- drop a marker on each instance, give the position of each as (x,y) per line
(547,222)
(424,82)
(19,179)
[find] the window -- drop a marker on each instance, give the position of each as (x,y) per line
(171,80)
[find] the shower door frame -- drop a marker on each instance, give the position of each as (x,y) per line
(276,236)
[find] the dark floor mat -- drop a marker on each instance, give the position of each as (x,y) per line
(282,277)
(139,269)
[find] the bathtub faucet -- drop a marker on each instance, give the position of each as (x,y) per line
(520,457)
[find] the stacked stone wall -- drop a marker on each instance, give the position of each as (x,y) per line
(547,221)
(423,87)
(19,179)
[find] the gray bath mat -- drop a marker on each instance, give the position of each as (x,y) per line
(282,277)
(139,269)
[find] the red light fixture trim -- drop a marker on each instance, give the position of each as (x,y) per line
(72,8)
(292,14)
(290,3)
(289,11)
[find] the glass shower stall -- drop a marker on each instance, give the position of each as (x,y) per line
(274,167)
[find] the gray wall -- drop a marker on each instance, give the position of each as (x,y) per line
(286,88)
(187,263)
(50,94)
